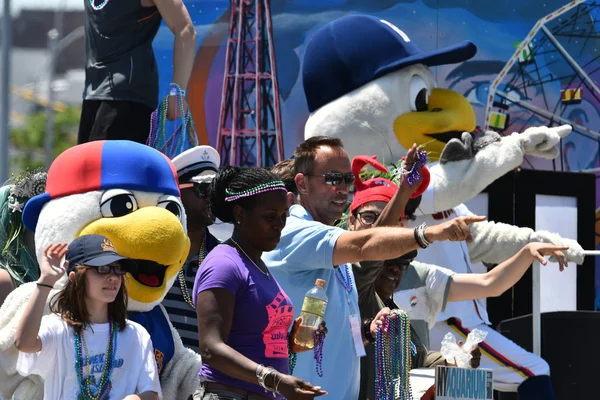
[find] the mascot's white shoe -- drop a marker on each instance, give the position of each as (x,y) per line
(129,193)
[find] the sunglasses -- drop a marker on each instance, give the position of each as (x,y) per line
(105,269)
(336,178)
(200,189)
(367,217)
(402,265)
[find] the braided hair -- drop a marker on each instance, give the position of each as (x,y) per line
(236,179)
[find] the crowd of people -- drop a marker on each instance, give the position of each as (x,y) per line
(236,302)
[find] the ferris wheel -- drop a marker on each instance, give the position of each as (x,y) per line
(552,79)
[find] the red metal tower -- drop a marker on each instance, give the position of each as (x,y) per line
(250,120)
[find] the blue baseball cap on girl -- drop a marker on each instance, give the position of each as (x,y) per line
(96,251)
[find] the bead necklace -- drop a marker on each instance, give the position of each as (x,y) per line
(344,278)
(99,6)
(181,275)
(318,352)
(393,358)
(183,137)
(292,358)
(252,261)
(109,356)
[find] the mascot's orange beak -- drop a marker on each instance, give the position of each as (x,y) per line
(448,115)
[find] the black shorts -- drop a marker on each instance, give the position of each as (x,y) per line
(114,120)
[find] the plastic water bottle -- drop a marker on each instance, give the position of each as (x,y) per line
(313,310)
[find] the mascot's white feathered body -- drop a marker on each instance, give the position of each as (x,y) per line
(369,85)
(129,193)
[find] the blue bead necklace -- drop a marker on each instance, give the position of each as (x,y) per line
(345,278)
(393,358)
(99,6)
(81,363)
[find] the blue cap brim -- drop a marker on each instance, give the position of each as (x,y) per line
(454,54)
(32,210)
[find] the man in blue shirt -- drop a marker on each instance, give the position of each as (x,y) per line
(310,249)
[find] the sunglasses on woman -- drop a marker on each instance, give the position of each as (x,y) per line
(336,178)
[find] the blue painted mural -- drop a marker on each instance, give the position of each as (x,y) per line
(547,78)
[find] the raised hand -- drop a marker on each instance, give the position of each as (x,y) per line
(455,230)
(409,161)
(539,250)
(51,267)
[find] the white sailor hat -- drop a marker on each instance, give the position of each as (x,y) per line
(198,164)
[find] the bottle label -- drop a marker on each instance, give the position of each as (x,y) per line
(314,306)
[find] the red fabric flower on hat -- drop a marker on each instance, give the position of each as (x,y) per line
(375,189)
(379,189)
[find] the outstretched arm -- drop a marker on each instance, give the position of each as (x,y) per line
(503,276)
(493,242)
(377,244)
(466,168)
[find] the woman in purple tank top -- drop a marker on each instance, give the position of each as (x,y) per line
(243,314)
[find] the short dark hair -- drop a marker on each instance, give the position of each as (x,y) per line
(306,152)
(285,170)
(236,179)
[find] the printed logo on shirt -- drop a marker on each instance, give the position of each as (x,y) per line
(159,357)
(275,335)
(93,380)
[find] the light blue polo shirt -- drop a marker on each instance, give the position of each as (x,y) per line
(305,254)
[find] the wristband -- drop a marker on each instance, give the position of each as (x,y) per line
(175,90)
(44,285)
(421,232)
(367,330)
(418,239)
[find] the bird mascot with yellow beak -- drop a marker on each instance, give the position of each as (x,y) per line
(128,193)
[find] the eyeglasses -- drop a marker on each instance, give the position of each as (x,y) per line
(105,269)
(401,264)
(200,189)
(336,178)
(367,217)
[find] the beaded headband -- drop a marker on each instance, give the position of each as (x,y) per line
(262,188)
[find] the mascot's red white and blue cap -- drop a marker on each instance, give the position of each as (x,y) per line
(358,49)
(103,165)
(128,193)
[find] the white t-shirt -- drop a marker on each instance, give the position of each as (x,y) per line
(423,292)
(134,366)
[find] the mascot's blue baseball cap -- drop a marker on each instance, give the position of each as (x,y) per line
(354,50)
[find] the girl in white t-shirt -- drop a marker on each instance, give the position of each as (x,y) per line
(86,348)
